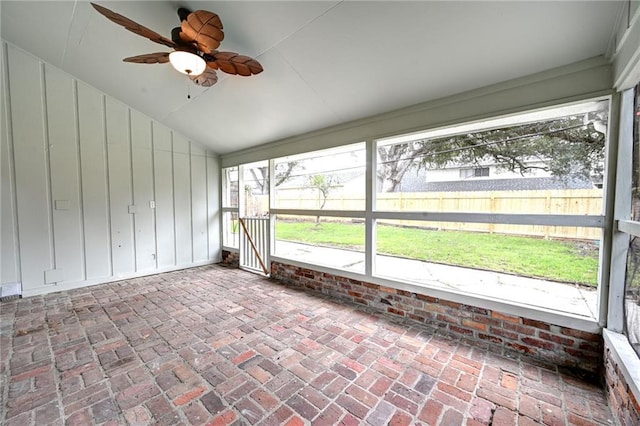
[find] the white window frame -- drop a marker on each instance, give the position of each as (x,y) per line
(370,214)
(590,221)
(228,209)
(623,228)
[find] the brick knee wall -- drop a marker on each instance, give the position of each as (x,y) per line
(621,400)
(230,258)
(507,333)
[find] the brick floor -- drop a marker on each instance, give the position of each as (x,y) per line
(219,346)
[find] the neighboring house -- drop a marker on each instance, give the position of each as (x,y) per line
(482,171)
(450,179)
(487,178)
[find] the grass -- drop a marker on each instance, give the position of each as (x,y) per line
(573,262)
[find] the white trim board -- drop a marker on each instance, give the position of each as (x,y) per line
(626,358)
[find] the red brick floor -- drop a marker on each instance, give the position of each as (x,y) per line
(221,346)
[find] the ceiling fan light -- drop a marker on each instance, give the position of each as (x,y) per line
(187,62)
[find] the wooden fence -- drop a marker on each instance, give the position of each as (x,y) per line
(570,202)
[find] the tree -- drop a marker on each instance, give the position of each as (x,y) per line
(324,184)
(567,147)
(283,172)
(396,160)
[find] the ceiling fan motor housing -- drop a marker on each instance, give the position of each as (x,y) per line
(204,28)
(183,13)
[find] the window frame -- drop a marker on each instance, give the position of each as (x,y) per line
(623,228)
(370,215)
(225,208)
(481,172)
(601,221)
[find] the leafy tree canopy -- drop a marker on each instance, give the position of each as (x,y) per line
(566,147)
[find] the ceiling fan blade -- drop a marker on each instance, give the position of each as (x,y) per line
(233,63)
(149,58)
(207,79)
(203,28)
(133,26)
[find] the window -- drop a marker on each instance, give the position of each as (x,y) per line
(536,224)
(319,204)
(475,172)
(336,242)
(547,162)
(331,179)
(511,263)
(512,209)
(481,172)
(632,295)
(230,187)
(230,224)
(255,190)
(632,278)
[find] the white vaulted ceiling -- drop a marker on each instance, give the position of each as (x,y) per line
(324,62)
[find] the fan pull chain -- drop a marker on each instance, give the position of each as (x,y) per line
(188,88)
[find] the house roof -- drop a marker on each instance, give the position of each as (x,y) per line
(416,183)
(325,62)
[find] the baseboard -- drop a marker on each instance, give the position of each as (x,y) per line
(10,291)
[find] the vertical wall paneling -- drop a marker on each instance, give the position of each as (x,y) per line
(9,272)
(163,180)
(120,191)
(142,169)
(65,182)
(30,157)
(182,199)
(94,182)
(93,191)
(199,203)
(213,206)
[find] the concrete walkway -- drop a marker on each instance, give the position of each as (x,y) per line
(539,293)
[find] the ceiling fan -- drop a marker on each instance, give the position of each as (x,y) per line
(194,43)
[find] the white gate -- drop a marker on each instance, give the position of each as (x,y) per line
(254,244)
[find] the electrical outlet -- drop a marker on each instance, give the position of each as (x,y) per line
(152,204)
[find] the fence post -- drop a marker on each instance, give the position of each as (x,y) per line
(547,208)
(492,209)
(440,209)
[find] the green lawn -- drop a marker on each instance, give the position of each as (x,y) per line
(527,256)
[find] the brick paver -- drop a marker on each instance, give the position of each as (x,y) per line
(217,346)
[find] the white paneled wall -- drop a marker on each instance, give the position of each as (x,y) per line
(93,191)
